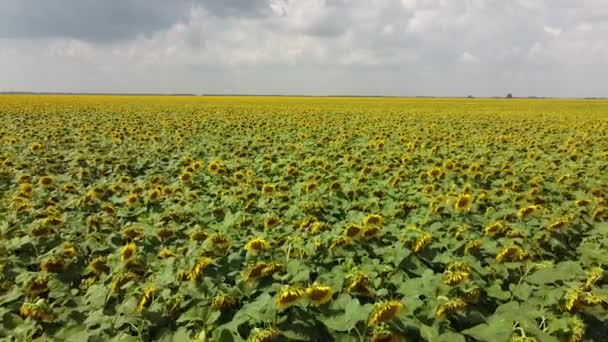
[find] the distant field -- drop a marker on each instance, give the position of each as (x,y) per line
(300,218)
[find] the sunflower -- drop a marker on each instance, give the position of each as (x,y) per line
(132,200)
(38,311)
(289,296)
(319,294)
(108,208)
(38,287)
(373,220)
(133,233)
(54,221)
(512,253)
(197,165)
(156,180)
(185,176)
(352,231)
(166,253)
(154,195)
(594,276)
(263,335)
(371,232)
(199,267)
(36,147)
(223,302)
(577,329)
(268,189)
(292,171)
(435,173)
(493,229)
(121,280)
(164,234)
(137,190)
(24,178)
(46,182)
(454,278)
(472,296)
(70,250)
(358,284)
(238,177)
(382,333)
(463,203)
(214,167)
(385,312)
(335,186)
(422,242)
(219,241)
(53,264)
(255,271)
(98,265)
(339,242)
(256,245)
(272,268)
(527,211)
(599,213)
(559,224)
(25,190)
(451,306)
(128,251)
(271,222)
(198,235)
(145,299)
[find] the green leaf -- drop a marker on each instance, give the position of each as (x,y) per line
(429,333)
(197,313)
(561,272)
(522,291)
(181,334)
(495,291)
(395,255)
(353,313)
(449,337)
(73,334)
(497,330)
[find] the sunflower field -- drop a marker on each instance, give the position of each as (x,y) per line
(303,219)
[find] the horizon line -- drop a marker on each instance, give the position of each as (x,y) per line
(285,95)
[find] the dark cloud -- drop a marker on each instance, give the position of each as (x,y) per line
(111,20)
(439,47)
(235,8)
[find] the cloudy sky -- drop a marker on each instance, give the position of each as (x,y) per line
(375,47)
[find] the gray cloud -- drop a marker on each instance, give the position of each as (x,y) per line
(392,47)
(111,20)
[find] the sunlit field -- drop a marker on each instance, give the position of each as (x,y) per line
(303,219)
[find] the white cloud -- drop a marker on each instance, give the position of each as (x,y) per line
(553,30)
(393,47)
(467,57)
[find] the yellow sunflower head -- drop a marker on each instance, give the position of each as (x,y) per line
(257,245)
(289,296)
(463,203)
(385,312)
(319,294)
(36,147)
(352,231)
(46,182)
(267,189)
(185,176)
(132,200)
(128,251)
(214,167)
(373,220)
